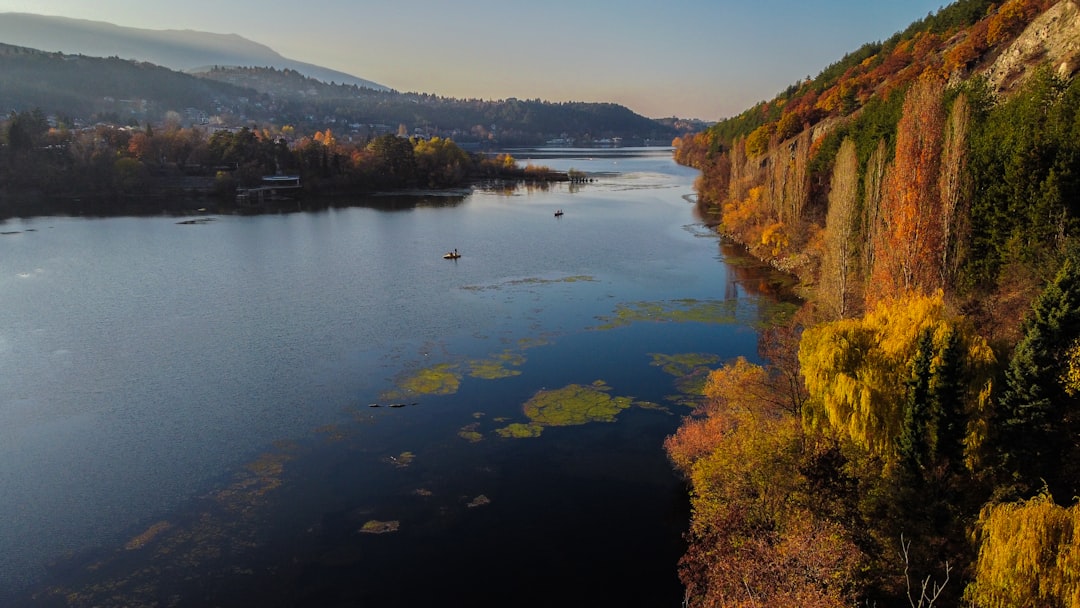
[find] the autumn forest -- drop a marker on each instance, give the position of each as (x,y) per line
(913,437)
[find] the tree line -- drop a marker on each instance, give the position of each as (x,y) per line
(146,168)
(912,438)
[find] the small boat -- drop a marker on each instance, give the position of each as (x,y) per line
(558,213)
(451,255)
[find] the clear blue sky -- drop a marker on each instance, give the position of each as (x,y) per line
(688,58)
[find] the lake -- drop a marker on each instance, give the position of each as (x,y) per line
(318,409)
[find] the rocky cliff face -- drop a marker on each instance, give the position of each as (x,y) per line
(1053,37)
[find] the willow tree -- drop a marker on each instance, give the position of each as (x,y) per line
(862,374)
(1029,555)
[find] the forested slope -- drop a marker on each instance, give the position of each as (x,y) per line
(914,438)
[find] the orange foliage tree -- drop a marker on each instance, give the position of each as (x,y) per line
(755,539)
(911,242)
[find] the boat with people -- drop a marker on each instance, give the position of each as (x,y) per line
(451,255)
(558,213)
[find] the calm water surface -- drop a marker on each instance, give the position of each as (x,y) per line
(185,409)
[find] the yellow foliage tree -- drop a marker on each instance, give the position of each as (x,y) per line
(859,372)
(775,238)
(837,276)
(757,143)
(1029,556)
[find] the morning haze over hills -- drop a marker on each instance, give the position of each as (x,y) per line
(181,50)
(85,72)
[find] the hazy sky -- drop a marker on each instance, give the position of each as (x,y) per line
(704,59)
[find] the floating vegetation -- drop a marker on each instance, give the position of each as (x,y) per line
(470,434)
(691,370)
(331,432)
(672,311)
(479,501)
(649,405)
(375,526)
(684,399)
(445,378)
(693,384)
(518,430)
(143,539)
(532,281)
(226,526)
(496,367)
(575,404)
(683,364)
(402,460)
(761,312)
(571,405)
(441,379)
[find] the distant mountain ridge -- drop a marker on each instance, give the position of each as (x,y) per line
(181,50)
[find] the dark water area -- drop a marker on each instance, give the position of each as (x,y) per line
(188,410)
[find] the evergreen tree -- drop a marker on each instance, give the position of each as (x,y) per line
(1039,418)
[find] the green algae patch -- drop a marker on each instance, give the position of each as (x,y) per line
(375,526)
(760,312)
(679,365)
(442,379)
(568,406)
(140,541)
(575,404)
(470,434)
(331,432)
(533,342)
(651,405)
(579,278)
(518,430)
(496,367)
(445,378)
(691,370)
(671,311)
(402,460)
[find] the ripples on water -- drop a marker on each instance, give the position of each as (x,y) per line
(186,413)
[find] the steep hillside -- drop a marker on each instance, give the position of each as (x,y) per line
(913,438)
(768,172)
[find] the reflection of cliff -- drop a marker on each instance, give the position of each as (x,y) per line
(754,276)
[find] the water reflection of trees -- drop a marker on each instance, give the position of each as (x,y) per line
(754,276)
(505,187)
(405,202)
